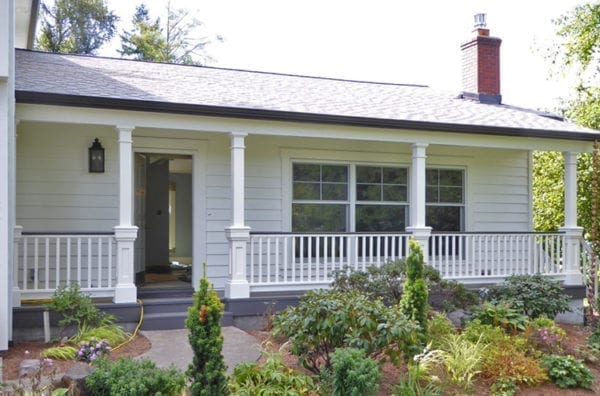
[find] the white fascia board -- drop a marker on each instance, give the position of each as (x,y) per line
(5,40)
(90,116)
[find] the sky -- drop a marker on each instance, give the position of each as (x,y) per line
(399,41)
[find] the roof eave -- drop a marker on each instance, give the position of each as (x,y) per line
(32,97)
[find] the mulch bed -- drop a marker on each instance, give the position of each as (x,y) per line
(576,335)
(31,350)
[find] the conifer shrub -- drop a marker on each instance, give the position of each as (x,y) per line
(207,370)
(413,303)
(354,374)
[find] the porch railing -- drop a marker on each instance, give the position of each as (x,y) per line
(47,261)
(307,260)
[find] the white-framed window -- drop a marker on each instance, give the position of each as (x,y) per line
(445,199)
(349,197)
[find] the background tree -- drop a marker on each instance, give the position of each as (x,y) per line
(145,41)
(577,50)
(75,26)
(173,42)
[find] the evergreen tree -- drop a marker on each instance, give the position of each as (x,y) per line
(173,42)
(207,370)
(413,302)
(75,26)
(145,41)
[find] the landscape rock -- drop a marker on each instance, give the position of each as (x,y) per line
(458,317)
(29,367)
(74,378)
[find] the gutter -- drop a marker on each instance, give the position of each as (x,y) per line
(31,97)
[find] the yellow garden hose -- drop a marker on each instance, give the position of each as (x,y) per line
(137,328)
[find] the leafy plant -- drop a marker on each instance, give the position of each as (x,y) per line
(383,282)
(63,352)
(449,295)
(77,308)
(502,315)
(462,359)
(413,303)
(112,333)
(512,364)
(567,372)
(504,386)
(272,378)
(549,339)
(328,319)
(532,295)
(92,350)
(488,334)
(439,328)
(419,371)
(207,370)
(133,377)
(354,374)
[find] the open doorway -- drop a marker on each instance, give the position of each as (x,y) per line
(163,214)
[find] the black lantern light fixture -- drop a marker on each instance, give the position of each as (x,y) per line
(96,155)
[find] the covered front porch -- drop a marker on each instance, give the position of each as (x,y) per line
(272,256)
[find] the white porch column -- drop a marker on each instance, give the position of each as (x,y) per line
(572,232)
(125,232)
(238,234)
(417,198)
(16,291)
(7,170)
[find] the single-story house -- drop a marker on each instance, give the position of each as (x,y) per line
(113,168)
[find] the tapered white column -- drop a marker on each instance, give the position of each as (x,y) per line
(417,188)
(573,233)
(125,232)
(238,234)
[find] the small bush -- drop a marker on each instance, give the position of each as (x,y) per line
(354,374)
(439,328)
(548,339)
(133,377)
(462,359)
(532,295)
(329,319)
(449,295)
(475,331)
(513,364)
(502,315)
(383,282)
(504,387)
(272,378)
(92,350)
(567,372)
(77,308)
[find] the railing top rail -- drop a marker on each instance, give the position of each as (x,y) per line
(76,233)
(283,233)
(406,233)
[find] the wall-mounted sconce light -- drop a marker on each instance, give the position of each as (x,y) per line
(96,155)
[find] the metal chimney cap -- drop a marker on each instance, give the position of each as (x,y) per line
(480,22)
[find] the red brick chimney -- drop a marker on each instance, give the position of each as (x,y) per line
(481,65)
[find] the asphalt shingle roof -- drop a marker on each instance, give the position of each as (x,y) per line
(126,80)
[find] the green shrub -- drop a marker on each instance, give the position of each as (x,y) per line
(77,308)
(272,378)
(418,380)
(439,328)
(502,315)
(383,282)
(594,338)
(449,295)
(207,370)
(133,377)
(462,359)
(329,319)
(413,303)
(567,372)
(532,295)
(354,374)
(475,331)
